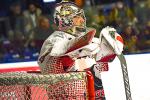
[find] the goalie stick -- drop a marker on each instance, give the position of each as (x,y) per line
(124,72)
(125,76)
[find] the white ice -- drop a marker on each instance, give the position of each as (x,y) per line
(139,76)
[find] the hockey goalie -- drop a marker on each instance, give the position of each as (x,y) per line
(74,48)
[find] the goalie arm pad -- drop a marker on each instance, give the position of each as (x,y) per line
(57,44)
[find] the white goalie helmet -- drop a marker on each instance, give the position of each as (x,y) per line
(65,12)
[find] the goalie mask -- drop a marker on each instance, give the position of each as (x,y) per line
(65,16)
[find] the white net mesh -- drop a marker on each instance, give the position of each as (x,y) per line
(53,65)
(27,86)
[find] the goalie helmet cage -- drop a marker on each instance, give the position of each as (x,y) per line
(33,86)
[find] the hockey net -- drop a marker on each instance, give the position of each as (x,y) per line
(34,86)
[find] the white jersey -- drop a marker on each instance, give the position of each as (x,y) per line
(54,46)
(98,52)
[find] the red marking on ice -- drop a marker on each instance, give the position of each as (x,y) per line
(22,69)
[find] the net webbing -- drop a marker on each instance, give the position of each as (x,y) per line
(29,86)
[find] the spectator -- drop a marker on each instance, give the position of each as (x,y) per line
(40,33)
(113,16)
(16,30)
(144,43)
(142,9)
(16,23)
(31,15)
(130,39)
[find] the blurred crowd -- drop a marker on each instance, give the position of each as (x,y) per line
(23,31)
(132,22)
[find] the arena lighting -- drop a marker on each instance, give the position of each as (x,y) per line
(48,1)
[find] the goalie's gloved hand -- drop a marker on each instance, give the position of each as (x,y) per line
(67,62)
